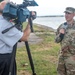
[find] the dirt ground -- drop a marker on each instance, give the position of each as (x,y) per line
(33,39)
(23,73)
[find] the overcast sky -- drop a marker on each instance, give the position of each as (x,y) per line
(50,7)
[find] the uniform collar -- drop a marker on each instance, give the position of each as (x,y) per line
(71,25)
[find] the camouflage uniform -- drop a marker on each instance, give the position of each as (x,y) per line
(66,63)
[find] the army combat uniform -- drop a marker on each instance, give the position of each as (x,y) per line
(66,62)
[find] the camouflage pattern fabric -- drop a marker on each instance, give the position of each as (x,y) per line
(66,63)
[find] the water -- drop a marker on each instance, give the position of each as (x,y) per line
(53,22)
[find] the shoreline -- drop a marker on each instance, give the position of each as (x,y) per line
(45,27)
(33,38)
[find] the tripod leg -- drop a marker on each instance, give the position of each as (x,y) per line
(30,57)
(12,58)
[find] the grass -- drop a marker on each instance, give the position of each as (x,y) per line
(44,54)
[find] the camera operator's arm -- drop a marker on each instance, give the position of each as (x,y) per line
(26,32)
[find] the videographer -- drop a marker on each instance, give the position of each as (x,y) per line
(8,40)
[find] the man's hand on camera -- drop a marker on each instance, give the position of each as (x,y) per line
(32,15)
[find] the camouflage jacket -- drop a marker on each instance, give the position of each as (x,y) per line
(69,37)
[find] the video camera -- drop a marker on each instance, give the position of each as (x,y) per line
(19,12)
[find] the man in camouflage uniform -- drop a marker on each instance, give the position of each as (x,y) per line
(66,37)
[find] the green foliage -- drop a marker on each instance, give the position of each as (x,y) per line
(44,54)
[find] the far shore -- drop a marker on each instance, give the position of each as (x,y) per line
(52,16)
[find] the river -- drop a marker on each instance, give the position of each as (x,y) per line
(52,22)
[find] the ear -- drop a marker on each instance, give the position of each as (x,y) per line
(2,4)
